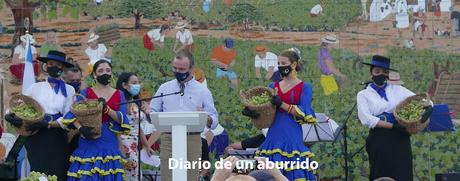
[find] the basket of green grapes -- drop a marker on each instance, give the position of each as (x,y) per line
(28,110)
(409,112)
(258,99)
(34,176)
(88,113)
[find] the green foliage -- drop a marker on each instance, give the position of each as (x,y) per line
(149,8)
(244,11)
(291,13)
(50,9)
(433,152)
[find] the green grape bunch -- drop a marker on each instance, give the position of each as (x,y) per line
(263,98)
(86,105)
(26,111)
(34,176)
(412,112)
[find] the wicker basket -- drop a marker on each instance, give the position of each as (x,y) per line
(267,111)
(412,126)
(89,117)
(22,99)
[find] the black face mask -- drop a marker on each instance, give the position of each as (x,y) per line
(285,70)
(181,76)
(54,71)
(379,79)
(104,79)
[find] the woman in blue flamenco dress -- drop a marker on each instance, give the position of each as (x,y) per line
(293,102)
(100,158)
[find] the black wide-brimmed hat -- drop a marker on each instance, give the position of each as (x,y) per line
(380,61)
(56,56)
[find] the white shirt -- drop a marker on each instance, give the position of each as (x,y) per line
(51,102)
(370,104)
(196,95)
(95,55)
(182,37)
(316,9)
(146,126)
(156,35)
(21,51)
(270,60)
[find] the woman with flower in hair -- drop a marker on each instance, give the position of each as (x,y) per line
(293,100)
(100,158)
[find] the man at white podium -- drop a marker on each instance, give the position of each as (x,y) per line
(194,96)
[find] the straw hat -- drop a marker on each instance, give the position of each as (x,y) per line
(93,37)
(394,78)
(181,24)
(329,38)
(261,49)
(26,36)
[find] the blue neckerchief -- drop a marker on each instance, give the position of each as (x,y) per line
(380,90)
(58,84)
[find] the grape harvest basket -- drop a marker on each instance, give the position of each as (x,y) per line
(412,126)
(17,100)
(267,111)
(90,117)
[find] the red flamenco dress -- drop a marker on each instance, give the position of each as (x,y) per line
(284,138)
(100,159)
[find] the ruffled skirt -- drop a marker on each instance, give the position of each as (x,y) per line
(98,159)
(284,146)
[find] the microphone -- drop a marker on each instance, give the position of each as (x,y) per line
(366,83)
(182,87)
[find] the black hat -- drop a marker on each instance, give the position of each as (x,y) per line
(56,56)
(380,61)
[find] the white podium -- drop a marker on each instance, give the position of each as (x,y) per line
(179,123)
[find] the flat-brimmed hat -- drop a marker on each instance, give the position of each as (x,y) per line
(260,49)
(93,37)
(329,38)
(394,78)
(56,56)
(380,61)
(26,36)
(180,25)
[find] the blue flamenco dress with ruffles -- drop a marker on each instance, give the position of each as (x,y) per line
(100,159)
(284,141)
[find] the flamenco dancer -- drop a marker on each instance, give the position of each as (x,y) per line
(48,149)
(293,104)
(100,159)
(388,144)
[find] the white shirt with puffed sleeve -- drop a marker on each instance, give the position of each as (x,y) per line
(370,104)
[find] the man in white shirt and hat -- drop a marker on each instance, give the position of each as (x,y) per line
(96,51)
(184,36)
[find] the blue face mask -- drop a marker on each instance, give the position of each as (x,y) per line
(76,85)
(134,89)
(181,76)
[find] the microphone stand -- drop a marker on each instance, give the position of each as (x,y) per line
(345,142)
(139,104)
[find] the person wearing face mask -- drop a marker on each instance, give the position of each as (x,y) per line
(293,101)
(48,149)
(129,84)
(388,144)
(195,97)
(73,76)
(100,158)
